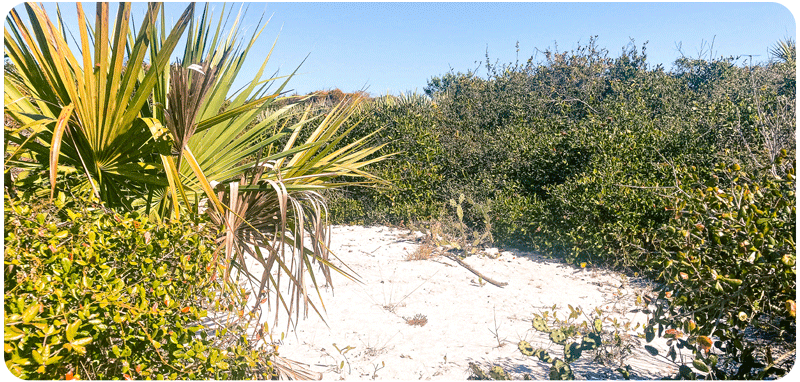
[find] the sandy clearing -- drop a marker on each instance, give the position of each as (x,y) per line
(368,331)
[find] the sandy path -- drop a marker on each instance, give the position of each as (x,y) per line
(369,318)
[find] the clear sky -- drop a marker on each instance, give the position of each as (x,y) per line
(397,47)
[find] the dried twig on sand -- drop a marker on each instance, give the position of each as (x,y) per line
(465,265)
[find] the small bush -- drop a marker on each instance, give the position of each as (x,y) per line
(93,294)
(727,259)
(418,320)
(606,340)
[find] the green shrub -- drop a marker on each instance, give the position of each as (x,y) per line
(727,260)
(571,152)
(93,294)
(608,344)
(565,335)
(406,127)
(588,157)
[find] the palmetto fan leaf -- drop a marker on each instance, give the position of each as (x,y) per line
(785,50)
(275,205)
(106,85)
(147,134)
(271,209)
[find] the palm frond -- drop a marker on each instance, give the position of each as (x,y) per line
(104,136)
(785,50)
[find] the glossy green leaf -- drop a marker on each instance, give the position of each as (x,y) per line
(30,313)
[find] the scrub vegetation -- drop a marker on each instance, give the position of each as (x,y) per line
(685,176)
(138,189)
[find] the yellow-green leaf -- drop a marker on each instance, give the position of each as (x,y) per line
(37,356)
(72,329)
(53,360)
(700,365)
(30,313)
(11,333)
(82,341)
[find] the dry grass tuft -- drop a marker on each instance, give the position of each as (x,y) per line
(423,252)
(417,320)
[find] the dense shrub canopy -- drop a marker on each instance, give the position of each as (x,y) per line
(682,175)
(576,145)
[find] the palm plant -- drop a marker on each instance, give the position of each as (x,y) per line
(174,139)
(785,50)
(83,111)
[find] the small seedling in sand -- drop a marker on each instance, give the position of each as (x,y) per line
(496,331)
(417,320)
(392,306)
(373,350)
(343,351)
(375,373)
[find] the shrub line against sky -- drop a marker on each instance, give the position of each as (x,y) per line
(396,47)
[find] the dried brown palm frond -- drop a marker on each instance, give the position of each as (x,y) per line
(188,89)
(289,369)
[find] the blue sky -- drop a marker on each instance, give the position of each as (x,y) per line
(397,47)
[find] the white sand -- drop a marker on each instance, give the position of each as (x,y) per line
(368,318)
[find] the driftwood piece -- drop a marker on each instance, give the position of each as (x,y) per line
(465,265)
